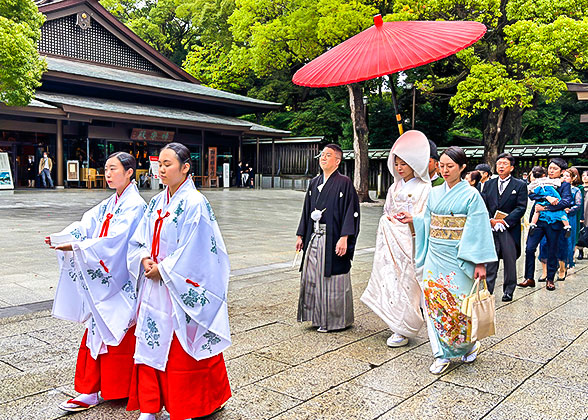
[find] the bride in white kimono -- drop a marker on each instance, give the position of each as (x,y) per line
(180,261)
(453,245)
(394,291)
(95,288)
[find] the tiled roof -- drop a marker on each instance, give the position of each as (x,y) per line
(138,111)
(522,151)
(146,80)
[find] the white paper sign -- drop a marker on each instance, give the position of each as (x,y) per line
(6,182)
(226,175)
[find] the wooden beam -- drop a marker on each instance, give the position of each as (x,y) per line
(584,118)
(29,127)
(59,153)
(582,96)
(109,133)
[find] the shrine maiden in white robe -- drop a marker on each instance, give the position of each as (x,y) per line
(394,292)
(191,299)
(94,286)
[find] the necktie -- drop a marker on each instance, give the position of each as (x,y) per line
(501,189)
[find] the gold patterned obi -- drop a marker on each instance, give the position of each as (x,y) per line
(447,226)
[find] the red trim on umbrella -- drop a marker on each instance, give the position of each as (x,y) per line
(388,47)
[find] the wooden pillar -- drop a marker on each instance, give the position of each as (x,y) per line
(259,176)
(202,157)
(60,168)
(273,160)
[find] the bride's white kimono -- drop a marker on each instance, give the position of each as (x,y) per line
(182,235)
(394,291)
(94,284)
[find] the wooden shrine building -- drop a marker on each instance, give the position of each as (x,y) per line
(107,90)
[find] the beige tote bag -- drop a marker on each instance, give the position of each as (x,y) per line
(481,308)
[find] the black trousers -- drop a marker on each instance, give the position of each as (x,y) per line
(551,232)
(506,250)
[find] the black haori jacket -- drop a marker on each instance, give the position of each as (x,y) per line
(341,215)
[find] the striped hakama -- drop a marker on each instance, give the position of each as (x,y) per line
(326,301)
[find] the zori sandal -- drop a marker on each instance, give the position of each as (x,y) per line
(439,366)
(470,356)
(75,404)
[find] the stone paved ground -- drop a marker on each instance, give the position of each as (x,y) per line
(536,367)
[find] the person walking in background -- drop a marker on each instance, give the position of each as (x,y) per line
(551,231)
(453,245)
(240,174)
(584,210)
(327,233)
(544,187)
(394,292)
(45,167)
(31,173)
(245,175)
(486,172)
(575,215)
(251,176)
(474,178)
(436,180)
(506,201)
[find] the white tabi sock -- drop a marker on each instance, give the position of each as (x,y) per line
(90,399)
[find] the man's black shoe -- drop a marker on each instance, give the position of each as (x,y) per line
(506,297)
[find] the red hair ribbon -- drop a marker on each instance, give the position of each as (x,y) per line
(157,234)
(193,283)
(104,266)
(105,225)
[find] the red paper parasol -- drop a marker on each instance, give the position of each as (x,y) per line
(388,47)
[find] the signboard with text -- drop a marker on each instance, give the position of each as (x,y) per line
(154,166)
(73,170)
(6,182)
(212,161)
(152,135)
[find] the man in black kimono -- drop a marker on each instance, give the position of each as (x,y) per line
(327,233)
(506,200)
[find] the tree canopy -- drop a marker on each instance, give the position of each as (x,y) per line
(21,66)
(506,88)
(530,50)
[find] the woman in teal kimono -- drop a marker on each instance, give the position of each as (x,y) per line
(453,243)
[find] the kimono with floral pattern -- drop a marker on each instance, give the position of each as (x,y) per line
(448,257)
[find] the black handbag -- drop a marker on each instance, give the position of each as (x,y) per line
(583,238)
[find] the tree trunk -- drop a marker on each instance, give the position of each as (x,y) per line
(501,126)
(360,142)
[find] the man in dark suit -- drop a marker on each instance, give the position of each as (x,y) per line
(508,196)
(551,231)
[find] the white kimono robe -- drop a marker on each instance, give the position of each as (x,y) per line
(394,292)
(94,284)
(191,300)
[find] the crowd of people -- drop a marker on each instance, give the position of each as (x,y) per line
(157,323)
(442,231)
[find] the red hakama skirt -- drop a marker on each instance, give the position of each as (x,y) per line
(110,373)
(187,388)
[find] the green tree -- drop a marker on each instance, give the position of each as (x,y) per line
(271,35)
(21,67)
(531,49)
(166,25)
